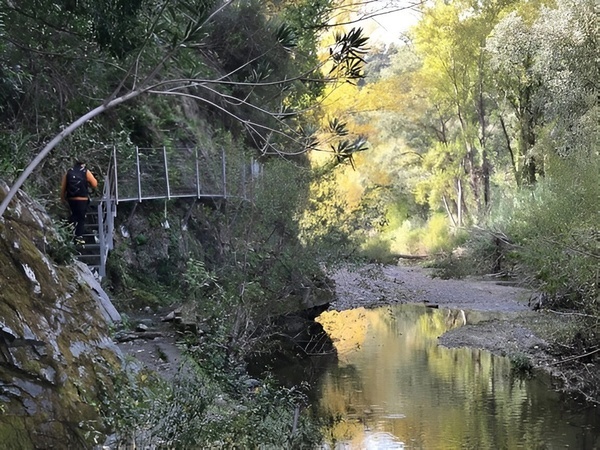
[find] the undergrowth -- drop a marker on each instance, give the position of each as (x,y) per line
(546,238)
(208,404)
(61,247)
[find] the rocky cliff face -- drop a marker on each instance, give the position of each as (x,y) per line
(56,355)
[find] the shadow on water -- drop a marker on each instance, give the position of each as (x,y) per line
(394,387)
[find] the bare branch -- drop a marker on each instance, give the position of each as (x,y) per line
(378,11)
(589,316)
(573,358)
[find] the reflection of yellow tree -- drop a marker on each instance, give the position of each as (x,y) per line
(398,380)
(347,329)
(342,404)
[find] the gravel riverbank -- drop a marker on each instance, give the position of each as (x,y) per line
(498,317)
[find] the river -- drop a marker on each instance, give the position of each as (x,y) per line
(394,387)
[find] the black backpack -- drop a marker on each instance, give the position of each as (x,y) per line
(77,185)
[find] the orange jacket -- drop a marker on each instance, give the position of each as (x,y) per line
(63,188)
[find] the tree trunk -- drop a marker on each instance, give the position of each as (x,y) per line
(460,203)
(527,140)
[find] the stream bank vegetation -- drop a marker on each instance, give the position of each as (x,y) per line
(233,272)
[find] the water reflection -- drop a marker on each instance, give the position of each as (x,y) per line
(394,387)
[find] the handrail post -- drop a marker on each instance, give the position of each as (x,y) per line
(139,178)
(167,173)
(116,181)
(101,239)
(224,174)
(198,175)
(110,218)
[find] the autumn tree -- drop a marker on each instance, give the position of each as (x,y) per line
(451,39)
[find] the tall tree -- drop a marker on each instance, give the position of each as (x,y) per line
(451,39)
(519,88)
(545,76)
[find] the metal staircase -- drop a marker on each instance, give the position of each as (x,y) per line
(138,174)
(91,252)
(99,228)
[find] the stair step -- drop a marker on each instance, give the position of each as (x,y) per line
(90,247)
(90,252)
(87,259)
(94,268)
(91,238)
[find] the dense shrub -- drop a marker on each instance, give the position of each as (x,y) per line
(554,232)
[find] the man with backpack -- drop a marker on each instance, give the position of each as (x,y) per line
(75,192)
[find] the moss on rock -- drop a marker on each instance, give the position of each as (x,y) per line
(56,354)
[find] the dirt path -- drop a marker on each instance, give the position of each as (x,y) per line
(374,285)
(151,343)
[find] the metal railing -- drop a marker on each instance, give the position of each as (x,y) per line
(107,211)
(139,174)
(161,173)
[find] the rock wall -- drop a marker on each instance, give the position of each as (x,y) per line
(56,354)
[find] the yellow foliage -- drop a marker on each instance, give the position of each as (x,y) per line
(413,238)
(340,99)
(405,239)
(347,329)
(351,187)
(436,235)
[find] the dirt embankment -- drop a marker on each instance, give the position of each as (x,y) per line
(498,316)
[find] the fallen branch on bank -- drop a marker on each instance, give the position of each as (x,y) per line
(412,256)
(574,314)
(132,336)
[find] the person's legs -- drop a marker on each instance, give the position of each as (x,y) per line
(78,210)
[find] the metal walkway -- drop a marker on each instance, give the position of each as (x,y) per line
(138,174)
